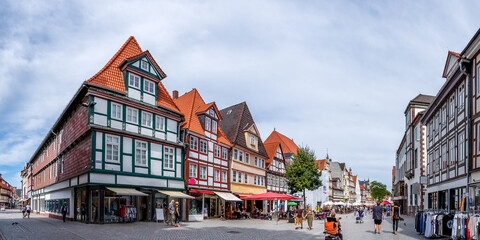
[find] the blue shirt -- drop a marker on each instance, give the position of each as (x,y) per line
(377,212)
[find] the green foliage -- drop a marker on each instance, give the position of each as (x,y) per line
(302,173)
(378,190)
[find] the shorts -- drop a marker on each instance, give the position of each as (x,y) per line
(377,222)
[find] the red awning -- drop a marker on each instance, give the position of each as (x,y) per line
(270,196)
(202,191)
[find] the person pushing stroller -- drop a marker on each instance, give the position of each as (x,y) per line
(360,215)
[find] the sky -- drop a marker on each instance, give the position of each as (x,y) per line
(333,75)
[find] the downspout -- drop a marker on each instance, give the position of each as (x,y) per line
(463,70)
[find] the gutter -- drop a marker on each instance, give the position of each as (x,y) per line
(463,70)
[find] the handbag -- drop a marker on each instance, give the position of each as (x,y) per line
(400,218)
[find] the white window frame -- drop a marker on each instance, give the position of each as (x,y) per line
(478,79)
(63,163)
(132,110)
(208,123)
(224,153)
(134,81)
(234,176)
(240,156)
(169,158)
(239,177)
(147,119)
(246,178)
(218,150)
(193,174)
(204,175)
(194,143)
(216,175)
(142,62)
(254,179)
(214,126)
(202,147)
(247,158)
(148,86)
(158,120)
(235,154)
(252,139)
(224,176)
(116,111)
(141,146)
(109,141)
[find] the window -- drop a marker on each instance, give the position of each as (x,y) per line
(246,177)
(54,143)
(261,181)
(451,153)
(47,151)
(252,139)
(112,153)
(461,97)
(461,147)
(203,146)
(160,123)
(116,111)
(141,153)
(478,79)
(217,151)
(144,65)
(235,154)
(240,156)
(60,137)
(134,81)
(256,161)
(239,177)
(132,115)
(224,176)
(217,175)
(255,180)
(234,176)
(56,168)
(149,87)
(214,126)
(444,116)
(61,165)
(50,172)
(193,143)
(224,153)
(247,158)
(207,123)
(193,170)
(146,119)
(168,158)
(452,107)
(203,172)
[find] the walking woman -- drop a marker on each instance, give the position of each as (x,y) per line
(310,215)
(177,215)
(395,217)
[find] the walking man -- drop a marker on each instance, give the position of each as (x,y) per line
(29,208)
(299,217)
(64,211)
(378,216)
(395,217)
(171,213)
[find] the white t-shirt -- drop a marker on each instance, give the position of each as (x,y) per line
(29,208)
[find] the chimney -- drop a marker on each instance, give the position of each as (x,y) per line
(175,94)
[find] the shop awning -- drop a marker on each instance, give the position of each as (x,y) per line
(175,194)
(228,196)
(127,191)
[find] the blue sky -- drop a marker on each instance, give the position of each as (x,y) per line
(329,74)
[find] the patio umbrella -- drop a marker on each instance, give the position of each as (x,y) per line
(385,203)
(291,204)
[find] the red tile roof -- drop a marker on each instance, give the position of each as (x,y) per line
(271,149)
(191,104)
(111,76)
(288,146)
(321,164)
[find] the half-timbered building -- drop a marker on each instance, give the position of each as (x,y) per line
(207,159)
(275,164)
(115,150)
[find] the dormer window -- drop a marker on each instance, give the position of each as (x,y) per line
(148,86)
(144,65)
(252,139)
(207,123)
(214,126)
(134,81)
(211,112)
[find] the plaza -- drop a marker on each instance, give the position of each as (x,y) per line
(39,227)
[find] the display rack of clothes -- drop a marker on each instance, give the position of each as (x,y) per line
(434,223)
(128,213)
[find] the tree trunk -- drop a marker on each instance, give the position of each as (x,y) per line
(304,200)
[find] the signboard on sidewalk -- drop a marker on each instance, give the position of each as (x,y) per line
(159,214)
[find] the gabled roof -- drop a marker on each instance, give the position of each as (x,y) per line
(452,59)
(110,76)
(337,171)
(321,164)
(288,145)
(236,120)
(355,180)
(271,149)
(191,104)
(422,98)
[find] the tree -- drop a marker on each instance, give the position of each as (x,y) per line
(378,190)
(302,173)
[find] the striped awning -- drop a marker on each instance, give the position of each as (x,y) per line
(126,191)
(175,194)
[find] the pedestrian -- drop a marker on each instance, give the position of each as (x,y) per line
(378,215)
(83,212)
(29,208)
(64,211)
(171,212)
(299,216)
(395,217)
(165,211)
(310,218)
(24,209)
(177,215)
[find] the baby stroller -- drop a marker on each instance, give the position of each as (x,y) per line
(332,229)
(359,218)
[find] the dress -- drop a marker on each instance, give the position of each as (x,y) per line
(310,218)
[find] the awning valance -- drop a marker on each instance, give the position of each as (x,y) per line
(202,191)
(127,191)
(175,194)
(228,196)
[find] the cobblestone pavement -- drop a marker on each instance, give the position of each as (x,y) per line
(39,227)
